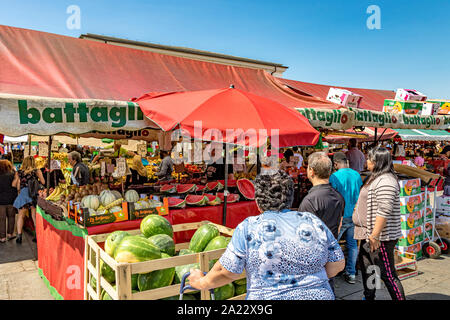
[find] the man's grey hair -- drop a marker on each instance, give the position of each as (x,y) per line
(321,164)
(274,192)
(75,155)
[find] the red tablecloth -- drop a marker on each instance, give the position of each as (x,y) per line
(61,246)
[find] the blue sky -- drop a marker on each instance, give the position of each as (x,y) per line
(325,42)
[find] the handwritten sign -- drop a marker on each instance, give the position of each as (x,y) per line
(102,168)
(142,150)
(121,167)
(43,149)
(55,145)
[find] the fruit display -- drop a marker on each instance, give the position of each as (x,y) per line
(164,242)
(196,200)
(246,188)
(202,237)
(155,224)
(136,249)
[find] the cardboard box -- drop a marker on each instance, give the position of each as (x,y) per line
(444,106)
(405,251)
(403,107)
(411,204)
(88,220)
(443,204)
(443,227)
(409,95)
(430,108)
(428,231)
(136,214)
(410,187)
(412,220)
(344,97)
(410,237)
(429,214)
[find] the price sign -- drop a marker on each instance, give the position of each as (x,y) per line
(102,168)
(55,145)
(142,150)
(121,167)
(33,152)
(26,151)
(43,149)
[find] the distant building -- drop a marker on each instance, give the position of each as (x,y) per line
(274,69)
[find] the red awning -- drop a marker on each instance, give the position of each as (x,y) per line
(372,99)
(49,65)
(368,134)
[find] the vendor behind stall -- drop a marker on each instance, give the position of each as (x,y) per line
(56,175)
(118,152)
(216,168)
(138,172)
(80,171)
(166,167)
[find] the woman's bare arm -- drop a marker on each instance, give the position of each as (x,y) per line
(218,276)
(333,268)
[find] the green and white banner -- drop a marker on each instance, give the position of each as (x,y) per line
(22,115)
(343,119)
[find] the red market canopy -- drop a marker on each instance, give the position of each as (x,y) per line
(228,111)
(366,135)
(50,65)
(373,99)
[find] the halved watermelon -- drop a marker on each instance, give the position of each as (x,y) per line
(176,203)
(200,188)
(186,188)
(232,197)
(246,189)
(215,185)
(213,200)
(194,200)
(230,183)
(168,188)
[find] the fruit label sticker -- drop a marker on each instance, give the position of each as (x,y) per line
(410,187)
(411,204)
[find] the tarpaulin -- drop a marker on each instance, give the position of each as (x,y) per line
(373,99)
(50,65)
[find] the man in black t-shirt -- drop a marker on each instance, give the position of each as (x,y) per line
(216,169)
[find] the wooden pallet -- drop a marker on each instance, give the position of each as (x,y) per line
(94,253)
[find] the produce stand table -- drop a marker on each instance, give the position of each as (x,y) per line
(61,244)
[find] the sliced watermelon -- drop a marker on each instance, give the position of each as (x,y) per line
(200,188)
(213,200)
(176,203)
(232,197)
(246,189)
(168,188)
(230,183)
(215,185)
(194,200)
(186,188)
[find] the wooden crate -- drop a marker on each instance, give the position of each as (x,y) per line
(405,267)
(94,253)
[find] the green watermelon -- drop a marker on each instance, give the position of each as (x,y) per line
(180,271)
(93,283)
(155,224)
(225,292)
(185,297)
(156,279)
(134,281)
(107,272)
(238,290)
(113,240)
(219,242)
(240,282)
(202,237)
(136,249)
(164,243)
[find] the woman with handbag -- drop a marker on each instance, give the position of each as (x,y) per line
(378,225)
(8,178)
(27,199)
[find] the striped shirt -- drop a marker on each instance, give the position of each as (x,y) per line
(383,200)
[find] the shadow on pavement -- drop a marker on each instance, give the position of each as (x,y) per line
(428,296)
(11,251)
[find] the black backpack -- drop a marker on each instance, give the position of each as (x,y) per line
(33,187)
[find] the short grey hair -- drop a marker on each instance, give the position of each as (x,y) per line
(75,155)
(321,164)
(274,192)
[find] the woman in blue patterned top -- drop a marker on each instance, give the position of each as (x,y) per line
(287,255)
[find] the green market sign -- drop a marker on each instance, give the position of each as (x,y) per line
(47,116)
(343,119)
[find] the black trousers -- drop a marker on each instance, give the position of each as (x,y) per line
(379,265)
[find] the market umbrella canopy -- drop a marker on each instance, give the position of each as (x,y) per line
(228,115)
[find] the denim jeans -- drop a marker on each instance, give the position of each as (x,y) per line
(348,228)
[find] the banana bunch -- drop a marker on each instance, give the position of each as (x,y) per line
(59,156)
(56,194)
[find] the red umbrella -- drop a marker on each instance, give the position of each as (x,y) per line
(223,111)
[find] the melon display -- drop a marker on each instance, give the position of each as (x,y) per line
(231,198)
(225,292)
(186,188)
(142,204)
(104,192)
(213,200)
(91,202)
(115,209)
(202,237)
(240,282)
(168,188)
(230,183)
(107,198)
(246,188)
(214,186)
(132,196)
(195,200)
(117,194)
(156,279)
(164,243)
(155,224)
(176,203)
(107,272)
(219,242)
(113,240)
(200,188)
(180,271)
(136,249)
